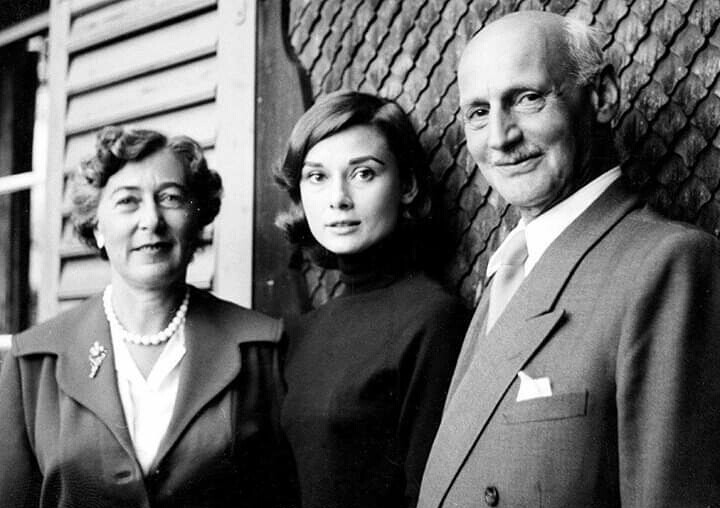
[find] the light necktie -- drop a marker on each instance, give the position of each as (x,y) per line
(509,270)
(508,276)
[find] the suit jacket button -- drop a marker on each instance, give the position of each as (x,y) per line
(492,497)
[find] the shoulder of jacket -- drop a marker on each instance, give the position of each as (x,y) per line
(252,326)
(48,337)
(647,225)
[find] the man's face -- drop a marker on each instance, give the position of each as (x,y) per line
(524,123)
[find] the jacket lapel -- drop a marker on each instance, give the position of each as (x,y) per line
(542,287)
(476,328)
(212,361)
(528,320)
(98,394)
(494,366)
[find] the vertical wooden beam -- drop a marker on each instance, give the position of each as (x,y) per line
(234,150)
(57,72)
(283,96)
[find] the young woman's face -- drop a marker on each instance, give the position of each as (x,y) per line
(351,191)
(146,222)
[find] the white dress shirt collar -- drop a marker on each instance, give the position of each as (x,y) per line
(544,229)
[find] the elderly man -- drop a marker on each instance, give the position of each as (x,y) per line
(590,375)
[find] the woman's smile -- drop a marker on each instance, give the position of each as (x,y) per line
(154,247)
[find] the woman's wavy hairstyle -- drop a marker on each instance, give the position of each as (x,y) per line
(115,147)
(330,115)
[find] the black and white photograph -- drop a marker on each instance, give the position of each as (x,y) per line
(359,253)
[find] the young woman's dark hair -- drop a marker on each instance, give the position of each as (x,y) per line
(337,112)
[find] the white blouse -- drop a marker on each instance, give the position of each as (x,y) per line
(148,403)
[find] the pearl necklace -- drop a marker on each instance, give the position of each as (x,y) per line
(145,340)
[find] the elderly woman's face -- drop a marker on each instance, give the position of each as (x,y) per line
(351,191)
(146,222)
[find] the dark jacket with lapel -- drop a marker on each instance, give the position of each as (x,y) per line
(63,437)
(622,314)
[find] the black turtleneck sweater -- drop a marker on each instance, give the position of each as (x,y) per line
(367,376)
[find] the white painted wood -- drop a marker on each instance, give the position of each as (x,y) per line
(80,7)
(24,29)
(234,150)
(64,305)
(200,270)
(122,18)
(83,277)
(57,71)
(18,182)
(5,343)
(164,47)
(148,95)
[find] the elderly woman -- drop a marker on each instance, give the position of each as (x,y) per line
(155,393)
(367,372)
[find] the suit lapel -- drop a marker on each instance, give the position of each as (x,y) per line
(212,361)
(493,367)
(470,343)
(542,287)
(99,394)
(529,319)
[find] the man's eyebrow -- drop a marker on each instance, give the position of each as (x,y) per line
(470,104)
(516,90)
(125,188)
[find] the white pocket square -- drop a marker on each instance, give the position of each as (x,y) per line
(533,388)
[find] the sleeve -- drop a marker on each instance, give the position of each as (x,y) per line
(287,489)
(668,378)
(20,477)
(427,375)
(268,465)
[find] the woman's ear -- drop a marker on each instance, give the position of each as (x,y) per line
(605,95)
(410,190)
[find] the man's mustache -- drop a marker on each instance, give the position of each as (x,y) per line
(515,157)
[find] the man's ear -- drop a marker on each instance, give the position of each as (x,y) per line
(605,95)
(409,191)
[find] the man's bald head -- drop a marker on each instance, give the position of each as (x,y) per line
(574,49)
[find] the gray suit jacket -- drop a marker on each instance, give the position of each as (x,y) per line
(621,313)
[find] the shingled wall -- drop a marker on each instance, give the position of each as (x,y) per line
(666,53)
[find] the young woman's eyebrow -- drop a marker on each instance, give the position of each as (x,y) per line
(358,160)
(312,164)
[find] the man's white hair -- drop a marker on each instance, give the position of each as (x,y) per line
(584,51)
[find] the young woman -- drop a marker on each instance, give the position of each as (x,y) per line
(367,372)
